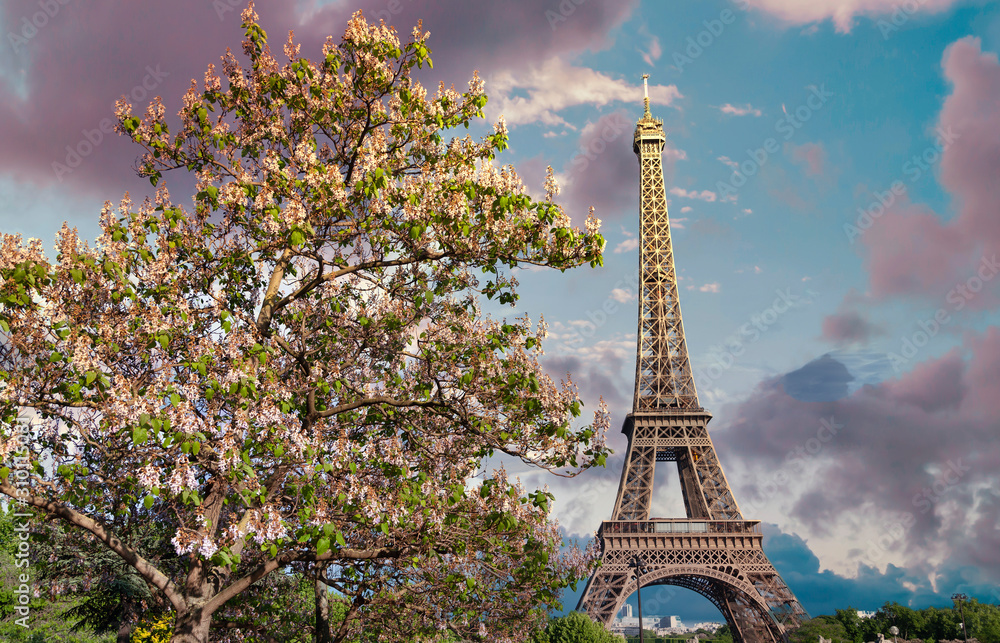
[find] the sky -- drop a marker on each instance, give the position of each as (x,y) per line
(832,170)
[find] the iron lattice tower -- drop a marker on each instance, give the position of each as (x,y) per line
(713,551)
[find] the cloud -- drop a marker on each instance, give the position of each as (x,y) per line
(556,85)
(627,246)
(728,161)
(622,296)
(704,195)
(841,12)
(849,327)
(592,371)
(63,83)
(740,110)
(712,287)
(913,251)
(685,209)
(823,591)
(821,380)
(604,171)
(812,155)
(654,52)
(918,451)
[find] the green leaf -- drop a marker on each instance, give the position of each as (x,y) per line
(340,540)
(148,502)
(322,546)
(91,376)
(175,399)
(297,238)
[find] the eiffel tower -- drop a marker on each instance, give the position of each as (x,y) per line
(712,551)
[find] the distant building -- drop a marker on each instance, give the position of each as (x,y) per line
(708,626)
(625,612)
(671,621)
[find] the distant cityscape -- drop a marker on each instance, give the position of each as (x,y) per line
(627,624)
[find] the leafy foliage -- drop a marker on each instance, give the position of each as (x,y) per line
(575,627)
(296,374)
(929,624)
(828,627)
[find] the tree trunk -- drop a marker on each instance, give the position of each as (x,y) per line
(322,609)
(124,633)
(192,627)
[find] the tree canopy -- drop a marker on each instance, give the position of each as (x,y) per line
(296,372)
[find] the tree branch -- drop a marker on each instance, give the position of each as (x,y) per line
(144,568)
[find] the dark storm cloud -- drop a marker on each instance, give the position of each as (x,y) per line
(918,450)
(821,380)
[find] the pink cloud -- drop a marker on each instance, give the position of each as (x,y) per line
(604,171)
(812,155)
(970,165)
(740,110)
(848,327)
(931,385)
(911,250)
(842,12)
(87,55)
(654,53)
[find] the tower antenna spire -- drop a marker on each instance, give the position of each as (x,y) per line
(645,93)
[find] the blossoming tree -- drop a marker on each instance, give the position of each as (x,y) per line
(295,372)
